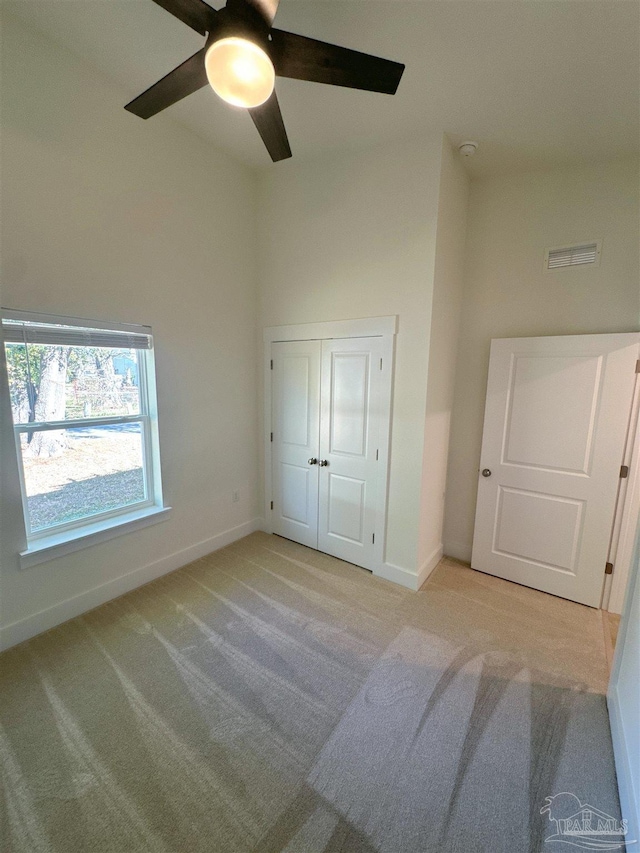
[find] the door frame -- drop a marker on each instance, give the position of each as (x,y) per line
(626,518)
(385,328)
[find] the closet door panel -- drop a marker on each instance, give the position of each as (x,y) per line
(345,504)
(295,427)
(348,450)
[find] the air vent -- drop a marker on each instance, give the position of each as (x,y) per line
(572,256)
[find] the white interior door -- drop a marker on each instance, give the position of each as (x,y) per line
(556,418)
(296,432)
(349,426)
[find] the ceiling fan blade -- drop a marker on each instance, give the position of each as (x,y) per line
(194,13)
(264,9)
(308,59)
(268,119)
(177,84)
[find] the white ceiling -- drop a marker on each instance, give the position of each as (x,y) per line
(537,83)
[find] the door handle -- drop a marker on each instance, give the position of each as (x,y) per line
(324,463)
(313,461)
(486,472)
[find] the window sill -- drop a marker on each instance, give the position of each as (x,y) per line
(57,545)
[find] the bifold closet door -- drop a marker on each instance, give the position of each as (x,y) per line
(296,430)
(350,411)
(327,410)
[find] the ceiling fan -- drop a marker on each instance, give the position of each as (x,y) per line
(242,56)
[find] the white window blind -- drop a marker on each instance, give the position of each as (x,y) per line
(22,331)
(572,256)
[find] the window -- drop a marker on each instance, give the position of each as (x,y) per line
(85,423)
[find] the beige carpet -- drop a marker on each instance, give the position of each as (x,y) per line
(270,698)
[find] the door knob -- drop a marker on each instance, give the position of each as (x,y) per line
(313,461)
(324,463)
(486,472)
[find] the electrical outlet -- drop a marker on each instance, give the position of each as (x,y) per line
(235,497)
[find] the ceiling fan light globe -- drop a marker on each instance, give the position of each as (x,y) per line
(239,72)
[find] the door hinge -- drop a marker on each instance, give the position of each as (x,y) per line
(373,538)
(377,451)
(638,366)
(608,569)
(271,436)
(271,504)
(271,364)
(380,364)
(624,472)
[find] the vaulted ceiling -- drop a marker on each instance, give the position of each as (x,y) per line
(538,83)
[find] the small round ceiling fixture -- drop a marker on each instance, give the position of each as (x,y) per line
(239,72)
(468,149)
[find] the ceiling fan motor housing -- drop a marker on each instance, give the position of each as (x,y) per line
(234,23)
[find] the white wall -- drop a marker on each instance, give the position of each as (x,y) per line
(624,704)
(443,348)
(107,217)
(507,294)
(354,236)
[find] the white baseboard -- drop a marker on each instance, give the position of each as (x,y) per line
(35,624)
(629,796)
(396,574)
(407,578)
(429,565)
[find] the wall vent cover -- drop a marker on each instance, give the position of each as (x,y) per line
(572,256)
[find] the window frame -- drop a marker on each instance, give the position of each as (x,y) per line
(90,526)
